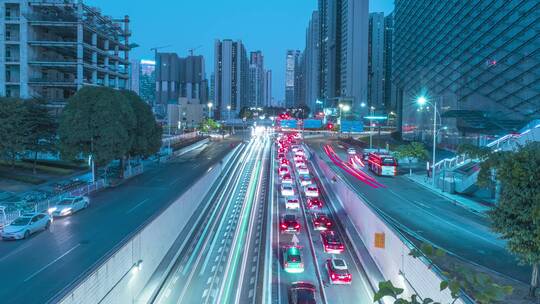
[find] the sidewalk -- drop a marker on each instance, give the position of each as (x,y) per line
(457,199)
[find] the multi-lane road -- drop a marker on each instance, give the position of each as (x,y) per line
(35,270)
(309,240)
(220,262)
(430,218)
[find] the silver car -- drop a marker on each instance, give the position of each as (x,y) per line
(23,226)
(69,205)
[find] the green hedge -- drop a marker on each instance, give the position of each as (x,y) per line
(59,164)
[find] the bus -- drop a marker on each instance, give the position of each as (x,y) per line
(382,164)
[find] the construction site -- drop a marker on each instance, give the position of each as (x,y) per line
(51,48)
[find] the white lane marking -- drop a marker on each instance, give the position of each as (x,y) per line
(52,262)
(137,206)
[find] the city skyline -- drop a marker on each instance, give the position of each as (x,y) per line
(150,30)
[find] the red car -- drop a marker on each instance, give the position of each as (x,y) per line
(282,150)
(331,242)
(281,155)
(338,272)
(286,179)
(284,161)
(283,170)
(321,221)
(289,223)
(314,203)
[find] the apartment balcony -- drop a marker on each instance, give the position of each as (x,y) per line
(13,39)
(53,62)
(12,19)
(53,43)
(49,82)
(12,60)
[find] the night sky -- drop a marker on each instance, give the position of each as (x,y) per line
(271,26)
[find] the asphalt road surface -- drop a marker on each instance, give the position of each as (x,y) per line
(429,217)
(36,269)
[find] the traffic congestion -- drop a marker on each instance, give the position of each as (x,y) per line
(315,264)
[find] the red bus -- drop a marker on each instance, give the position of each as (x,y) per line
(382,164)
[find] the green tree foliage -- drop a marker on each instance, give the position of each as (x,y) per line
(516,217)
(40,129)
(13,128)
(414,150)
(208,125)
(146,134)
(97,121)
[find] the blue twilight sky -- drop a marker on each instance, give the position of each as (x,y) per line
(272,26)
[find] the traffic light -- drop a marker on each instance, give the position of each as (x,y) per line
(330,126)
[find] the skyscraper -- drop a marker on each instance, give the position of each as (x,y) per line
(389,90)
(478,59)
(311,62)
(376,60)
(343,39)
(180,77)
(292,64)
(231,69)
(143,79)
(256,79)
(268,88)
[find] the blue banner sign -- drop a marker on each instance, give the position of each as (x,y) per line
(289,123)
(352,126)
(312,123)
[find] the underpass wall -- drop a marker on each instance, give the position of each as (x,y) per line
(120,276)
(414,275)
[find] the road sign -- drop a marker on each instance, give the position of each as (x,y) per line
(312,123)
(379,240)
(289,123)
(352,126)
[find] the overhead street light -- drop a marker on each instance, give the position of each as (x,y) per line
(422,100)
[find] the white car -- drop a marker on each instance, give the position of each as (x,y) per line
(351,151)
(287,190)
(305,180)
(311,190)
(23,226)
(295,148)
(300,152)
(299,163)
(303,170)
(69,205)
(292,202)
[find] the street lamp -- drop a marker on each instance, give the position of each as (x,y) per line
(371,114)
(422,100)
(210,109)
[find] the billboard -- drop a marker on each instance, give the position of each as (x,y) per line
(289,123)
(352,126)
(312,123)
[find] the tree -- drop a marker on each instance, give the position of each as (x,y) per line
(208,125)
(97,121)
(473,151)
(414,150)
(516,217)
(147,133)
(40,129)
(13,127)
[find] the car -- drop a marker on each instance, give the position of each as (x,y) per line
(299,162)
(311,190)
(289,224)
(338,272)
(351,151)
(292,202)
(300,152)
(282,150)
(321,221)
(281,155)
(287,179)
(314,203)
(287,190)
(69,205)
(331,242)
(284,161)
(302,169)
(292,260)
(25,225)
(305,180)
(284,169)
(295,148)
(298,158)
(302,293)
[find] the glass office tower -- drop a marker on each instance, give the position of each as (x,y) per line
(479,59)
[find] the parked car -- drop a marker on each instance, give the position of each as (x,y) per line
(25,225)
(69,205)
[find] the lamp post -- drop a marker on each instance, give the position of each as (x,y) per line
(371,113)
(422,100)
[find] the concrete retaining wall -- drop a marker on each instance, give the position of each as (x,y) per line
(394,261)
(121,276)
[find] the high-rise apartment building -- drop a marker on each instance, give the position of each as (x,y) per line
(343,37)
(478,59)
(180,77)
(268,88)
(143,79)
(50,49)
(256,79)
(389,89)
(311,63)
(376,61)
(292,65)
(231,69)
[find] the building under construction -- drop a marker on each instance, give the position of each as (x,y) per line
(51,48)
